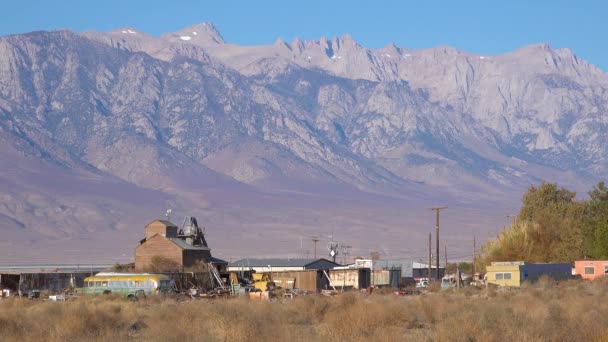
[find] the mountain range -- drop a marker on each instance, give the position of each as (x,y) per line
(100,132)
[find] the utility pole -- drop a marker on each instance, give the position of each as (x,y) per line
(428,276)
(437,209)
(445,252)
(474,254)
(315,238)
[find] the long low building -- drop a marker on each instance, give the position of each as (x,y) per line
(514,273)
(280,265)
(58,277)
(410,270)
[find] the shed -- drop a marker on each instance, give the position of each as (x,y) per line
(591,269)
(308,280)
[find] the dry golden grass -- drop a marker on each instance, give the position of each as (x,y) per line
(546,311)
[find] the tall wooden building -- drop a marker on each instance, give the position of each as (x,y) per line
(185,246)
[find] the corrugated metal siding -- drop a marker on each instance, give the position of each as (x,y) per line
(405,265)
(531,272)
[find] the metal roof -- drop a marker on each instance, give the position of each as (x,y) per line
(165,222)
(218,261)
(53,268)
(183,245)
(409,263)
(274,262)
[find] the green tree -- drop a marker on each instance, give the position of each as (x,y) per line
(599,193)
(465,266)
(594,226)
(601,240)
(547,197)
(549,228)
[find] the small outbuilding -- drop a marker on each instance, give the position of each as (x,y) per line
(591,269)
(513,273)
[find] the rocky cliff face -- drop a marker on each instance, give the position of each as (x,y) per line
(194,119)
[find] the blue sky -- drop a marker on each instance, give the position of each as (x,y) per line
(485,27)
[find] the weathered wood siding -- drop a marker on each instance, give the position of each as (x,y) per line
(305,280)
(156,245)
(158,227)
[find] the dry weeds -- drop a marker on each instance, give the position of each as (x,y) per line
(546,311)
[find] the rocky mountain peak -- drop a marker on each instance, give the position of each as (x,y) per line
(297,44)
(345,41)
(282,44)
(308,115)
(201,34)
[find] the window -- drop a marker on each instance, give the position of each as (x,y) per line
(589,270)
(503,276)
(605,269)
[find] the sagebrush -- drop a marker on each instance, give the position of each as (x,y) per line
(547,311)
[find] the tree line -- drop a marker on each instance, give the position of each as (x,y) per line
(553,226)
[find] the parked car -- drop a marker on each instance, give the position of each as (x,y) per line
(33,294)
(421,283)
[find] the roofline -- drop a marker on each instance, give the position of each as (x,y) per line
(161,220)
(245,262)
(53,268)
(317,260)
